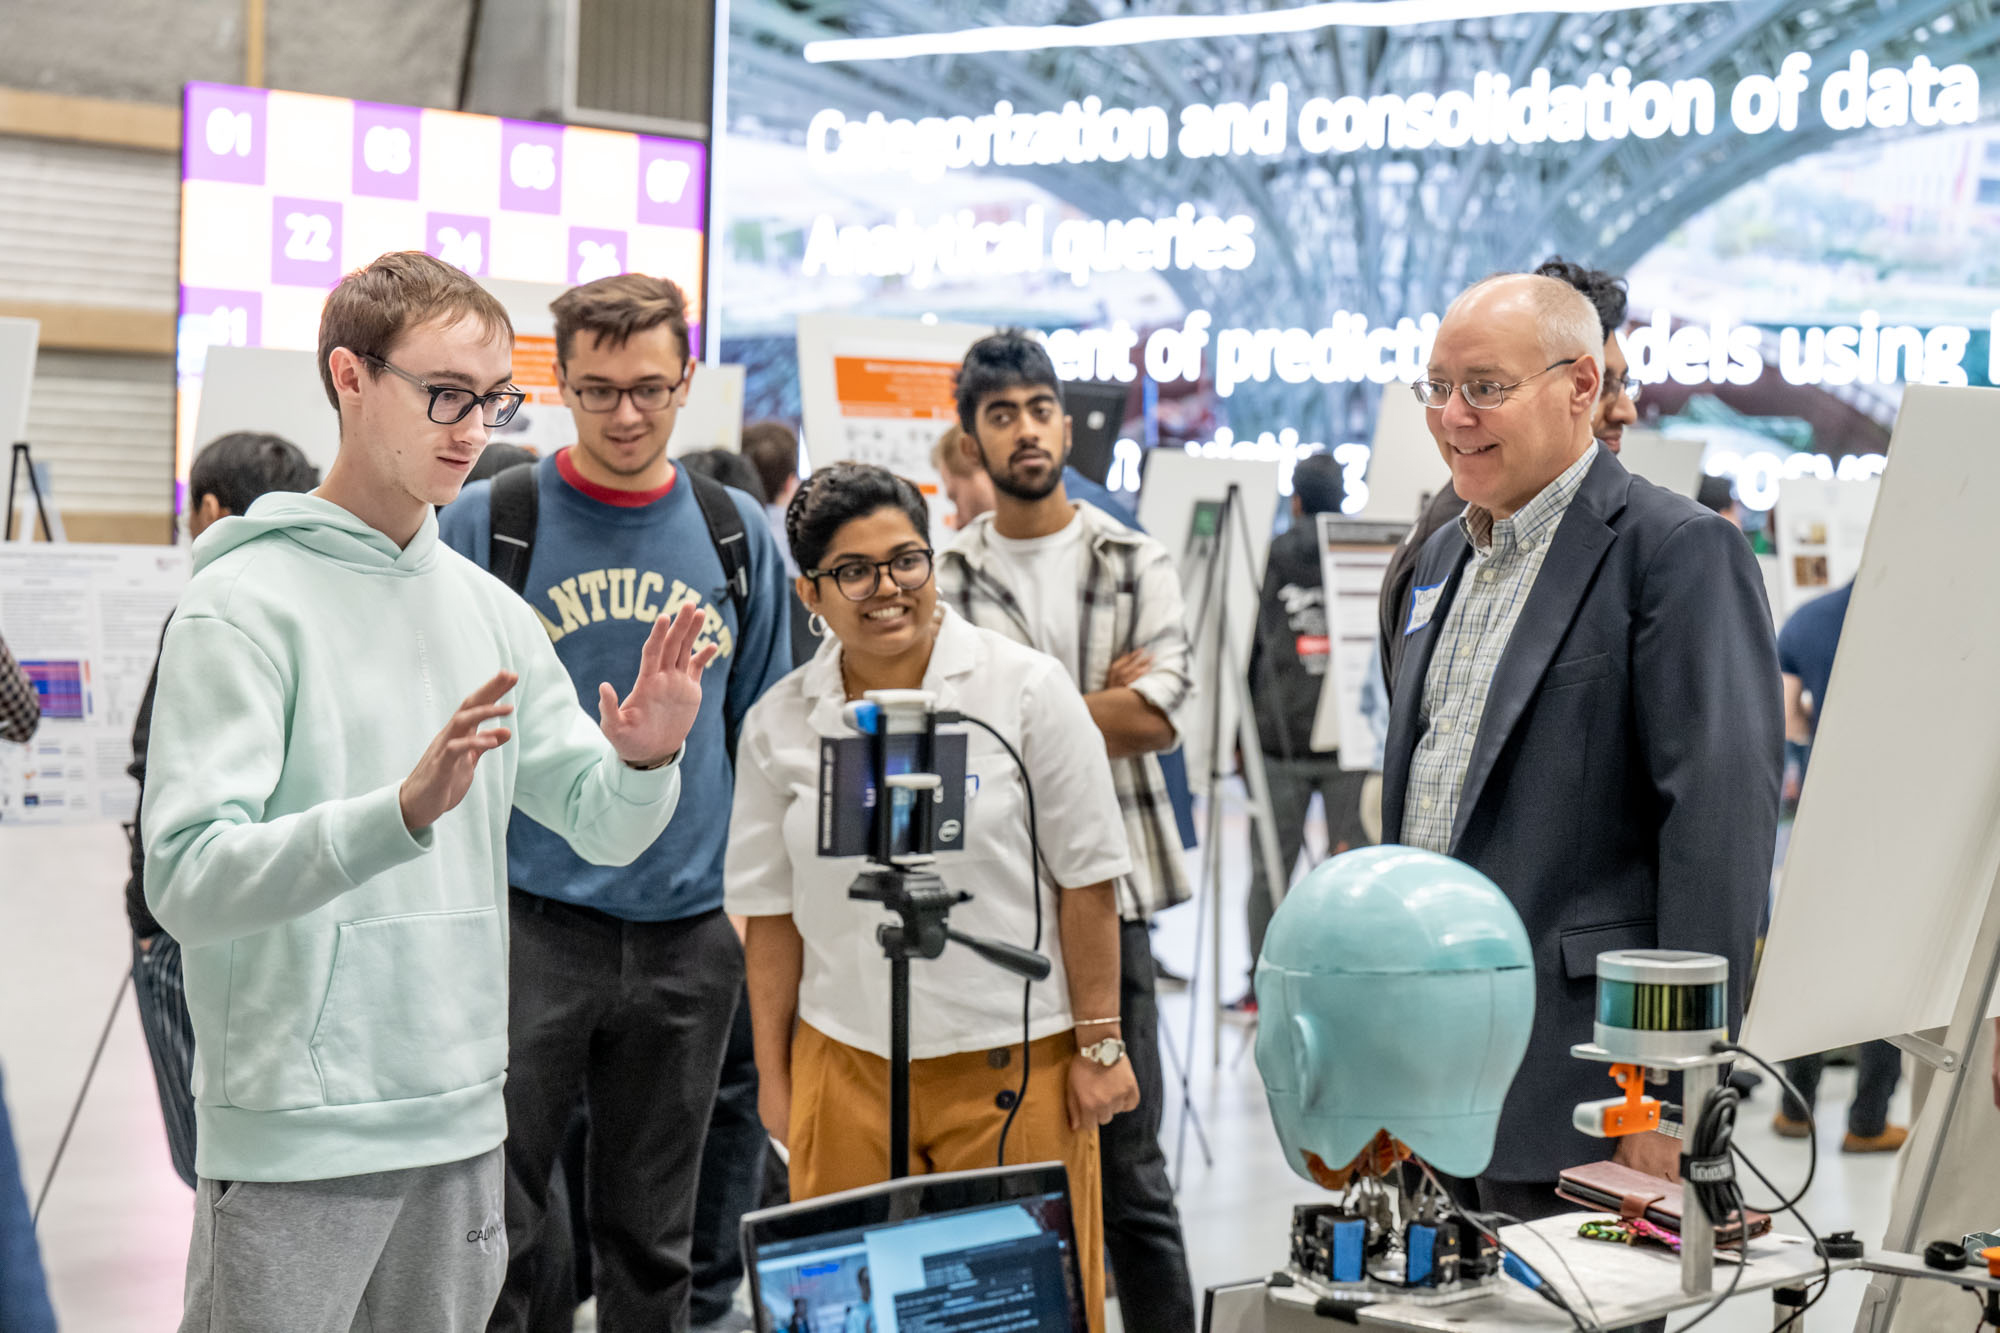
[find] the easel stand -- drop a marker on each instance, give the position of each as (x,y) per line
(20,461)
(1213,566)
(1949,1090)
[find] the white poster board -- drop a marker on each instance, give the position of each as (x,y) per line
(1404,466)
(19,339)
(275,390)
(1175,483)
(85,622)
(1353,558)
(1897,841)
(712,417)
(879,390)
(1671,461)
(1821,527)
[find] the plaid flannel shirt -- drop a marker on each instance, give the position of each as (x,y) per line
(1129,597)
(20,709)
(1507,556)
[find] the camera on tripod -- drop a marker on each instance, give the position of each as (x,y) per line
(895,793)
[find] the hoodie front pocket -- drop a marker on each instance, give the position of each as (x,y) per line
(417,1007)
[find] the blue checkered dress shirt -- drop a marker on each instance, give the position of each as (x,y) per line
(1507,556)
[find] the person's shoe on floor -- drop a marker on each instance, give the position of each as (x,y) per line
(1890,1139)
(1787,1128)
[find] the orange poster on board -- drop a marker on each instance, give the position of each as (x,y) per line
(535,368)
(874,386)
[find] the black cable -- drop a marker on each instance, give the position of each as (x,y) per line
(1825,1261)
(1812,1137)
(1035,884)
(1547,1290)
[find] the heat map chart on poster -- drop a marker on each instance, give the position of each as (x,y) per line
(282,193)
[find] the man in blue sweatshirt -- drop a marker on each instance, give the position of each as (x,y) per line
(324,823)
(625,980)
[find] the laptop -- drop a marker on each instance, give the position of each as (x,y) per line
(971,1250)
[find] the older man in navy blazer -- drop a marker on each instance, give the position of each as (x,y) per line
(1587,708)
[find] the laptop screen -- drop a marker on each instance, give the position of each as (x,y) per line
(978,1252)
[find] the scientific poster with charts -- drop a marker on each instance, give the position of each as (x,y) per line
(880,390)
(84,621)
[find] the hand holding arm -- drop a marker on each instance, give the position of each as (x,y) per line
(1132,724)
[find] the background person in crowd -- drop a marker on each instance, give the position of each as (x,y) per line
(333,878)
(1587,708)
(819,984)
(772,448)
(24,1295)
(963,480)
(731,469)
(1806,649)
(732,1158)
(20,706)
(625,979)
(225,479)
(1616,408)
(1287,665)
(1087,590)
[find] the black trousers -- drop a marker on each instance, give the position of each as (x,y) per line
(1142,1227)
(1293,782)
(1878,1068)
(163,1017)
(634,1016)
(732,1175)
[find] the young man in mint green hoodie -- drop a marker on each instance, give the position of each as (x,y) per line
(325,821)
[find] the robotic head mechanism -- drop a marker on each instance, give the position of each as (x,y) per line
(1395,995)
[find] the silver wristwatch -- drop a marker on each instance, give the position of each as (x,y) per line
(1107,1052)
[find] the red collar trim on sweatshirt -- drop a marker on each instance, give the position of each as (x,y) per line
(604,494)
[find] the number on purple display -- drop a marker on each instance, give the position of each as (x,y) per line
(386,148)
(228,133)
(667,180)
(312,237)
(597,259)
(460,249)
(532,166)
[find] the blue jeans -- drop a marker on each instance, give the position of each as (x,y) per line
(24,1294)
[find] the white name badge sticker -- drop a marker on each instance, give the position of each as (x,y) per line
(1423,604)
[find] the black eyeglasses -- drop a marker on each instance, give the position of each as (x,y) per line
(1484,395)
(451,404)
(652,396)
(1627,384)
(859,579)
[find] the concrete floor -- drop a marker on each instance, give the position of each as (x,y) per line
(114,1234)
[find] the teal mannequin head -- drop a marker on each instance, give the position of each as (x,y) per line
(1395,992)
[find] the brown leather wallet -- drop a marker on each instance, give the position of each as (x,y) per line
(1629,1193)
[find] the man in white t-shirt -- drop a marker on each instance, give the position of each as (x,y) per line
(1105,601)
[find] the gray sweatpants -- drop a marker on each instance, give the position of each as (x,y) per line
(419,1249)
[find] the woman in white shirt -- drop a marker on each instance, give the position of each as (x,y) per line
(819,984)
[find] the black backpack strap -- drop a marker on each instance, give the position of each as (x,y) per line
(514,499)
(725,529)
